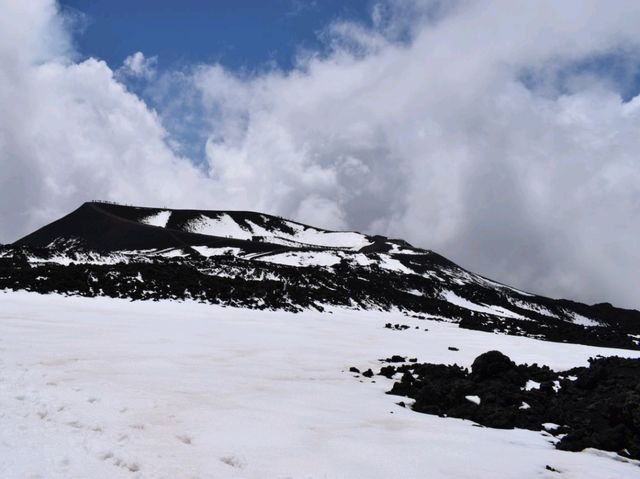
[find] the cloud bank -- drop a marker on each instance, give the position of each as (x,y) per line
(473,128)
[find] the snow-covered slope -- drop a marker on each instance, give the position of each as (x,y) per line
(108,388)
(281,231)
(262,261)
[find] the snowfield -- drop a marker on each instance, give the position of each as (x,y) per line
(106,388)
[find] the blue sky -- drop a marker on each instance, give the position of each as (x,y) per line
(235,33)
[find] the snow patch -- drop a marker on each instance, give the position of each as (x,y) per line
(337,239)
(414,292)
(222,225)
(171,253)
(392,264)
(304,258)
(159,219)
(453,298)
(533,307)
(532,385)
(584,321)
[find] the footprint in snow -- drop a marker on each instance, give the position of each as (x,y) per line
(131,466)
(233,461)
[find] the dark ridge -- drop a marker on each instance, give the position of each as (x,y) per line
(183,215)
(109,227)
(98,229)
(379,245)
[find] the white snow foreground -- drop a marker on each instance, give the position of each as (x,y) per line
(107,388)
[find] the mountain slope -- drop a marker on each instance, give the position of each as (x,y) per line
(261,261)
(111,227)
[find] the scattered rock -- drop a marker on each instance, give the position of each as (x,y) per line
(395,359)
(398,327)
(596,406)
(491,364)
(387,371)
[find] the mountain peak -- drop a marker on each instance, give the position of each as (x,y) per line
(110,227)
(256,260)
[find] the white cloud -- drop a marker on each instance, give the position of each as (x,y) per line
(138,66)
(420,127)
(537,187)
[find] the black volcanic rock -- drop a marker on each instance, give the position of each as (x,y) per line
(491,364)
(597,406)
